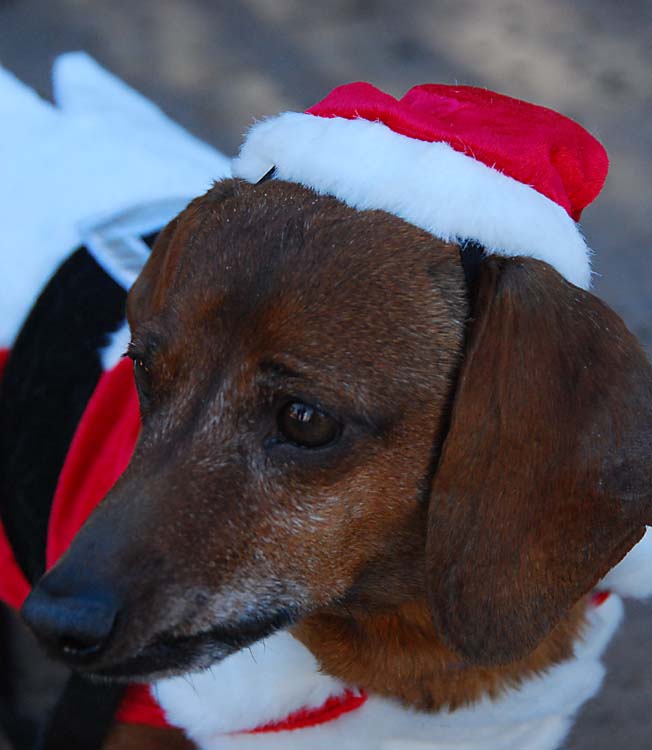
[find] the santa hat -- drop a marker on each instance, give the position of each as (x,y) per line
(462,163)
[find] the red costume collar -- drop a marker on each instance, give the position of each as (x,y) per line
(138,707)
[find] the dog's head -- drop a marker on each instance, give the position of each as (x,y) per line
(330,414)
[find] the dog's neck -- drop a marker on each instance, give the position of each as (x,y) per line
(279,682)
(398,654)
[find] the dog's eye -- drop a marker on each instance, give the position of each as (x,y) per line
(141,376)
(307,426)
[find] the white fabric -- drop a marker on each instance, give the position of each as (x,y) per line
(633,575)
(115,240)
(248,690)
(454,197)
(268,681)
(101,149)
(118,341)
(279,676)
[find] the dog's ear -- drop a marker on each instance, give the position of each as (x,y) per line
(545,476)
(147,295)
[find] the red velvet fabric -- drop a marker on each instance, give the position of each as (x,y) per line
(335,706)
(13,585)
(98,454)
(138,707)
(532,144)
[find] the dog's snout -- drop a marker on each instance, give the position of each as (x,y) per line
(72,627)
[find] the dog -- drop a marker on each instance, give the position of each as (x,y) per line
(394,456)
(332,478)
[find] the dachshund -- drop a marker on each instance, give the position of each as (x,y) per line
(416,467)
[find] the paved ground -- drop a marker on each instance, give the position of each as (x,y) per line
(214,66)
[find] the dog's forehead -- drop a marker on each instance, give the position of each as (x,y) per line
(277,271)
(294,265)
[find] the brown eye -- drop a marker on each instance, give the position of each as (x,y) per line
(307,426)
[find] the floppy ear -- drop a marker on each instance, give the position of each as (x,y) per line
(147,295)
(545,477)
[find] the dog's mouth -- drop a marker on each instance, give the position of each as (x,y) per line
(168,655)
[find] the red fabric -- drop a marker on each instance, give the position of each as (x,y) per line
(14,588)
(532,144)
(99,453)
(598,598)
(138,707)
(334,707)
(13,585)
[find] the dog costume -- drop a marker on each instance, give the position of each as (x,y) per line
(462,163)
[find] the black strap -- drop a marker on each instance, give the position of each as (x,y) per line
(269,175)
(51,373)
(471,255)
(83,716)
(150,239)
(16,729)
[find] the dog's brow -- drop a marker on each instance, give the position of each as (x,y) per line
(279,370)
(351,408)
(146,341)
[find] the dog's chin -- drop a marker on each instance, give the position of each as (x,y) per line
(170,655)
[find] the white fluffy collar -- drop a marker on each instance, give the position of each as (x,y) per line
(278,676)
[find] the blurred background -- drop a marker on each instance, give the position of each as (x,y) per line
(215,66)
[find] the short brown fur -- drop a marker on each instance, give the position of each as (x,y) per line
(413,664)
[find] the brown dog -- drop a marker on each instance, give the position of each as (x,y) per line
(423,481)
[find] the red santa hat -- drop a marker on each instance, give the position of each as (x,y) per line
(463,163)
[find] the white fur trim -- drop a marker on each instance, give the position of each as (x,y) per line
(255,686)
(114,239)
(453,196)
(248,689)
(100,148)
(633,575)
(112,352)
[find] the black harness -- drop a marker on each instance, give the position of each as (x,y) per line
(52,371)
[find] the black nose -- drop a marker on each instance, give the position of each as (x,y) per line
(74,627)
